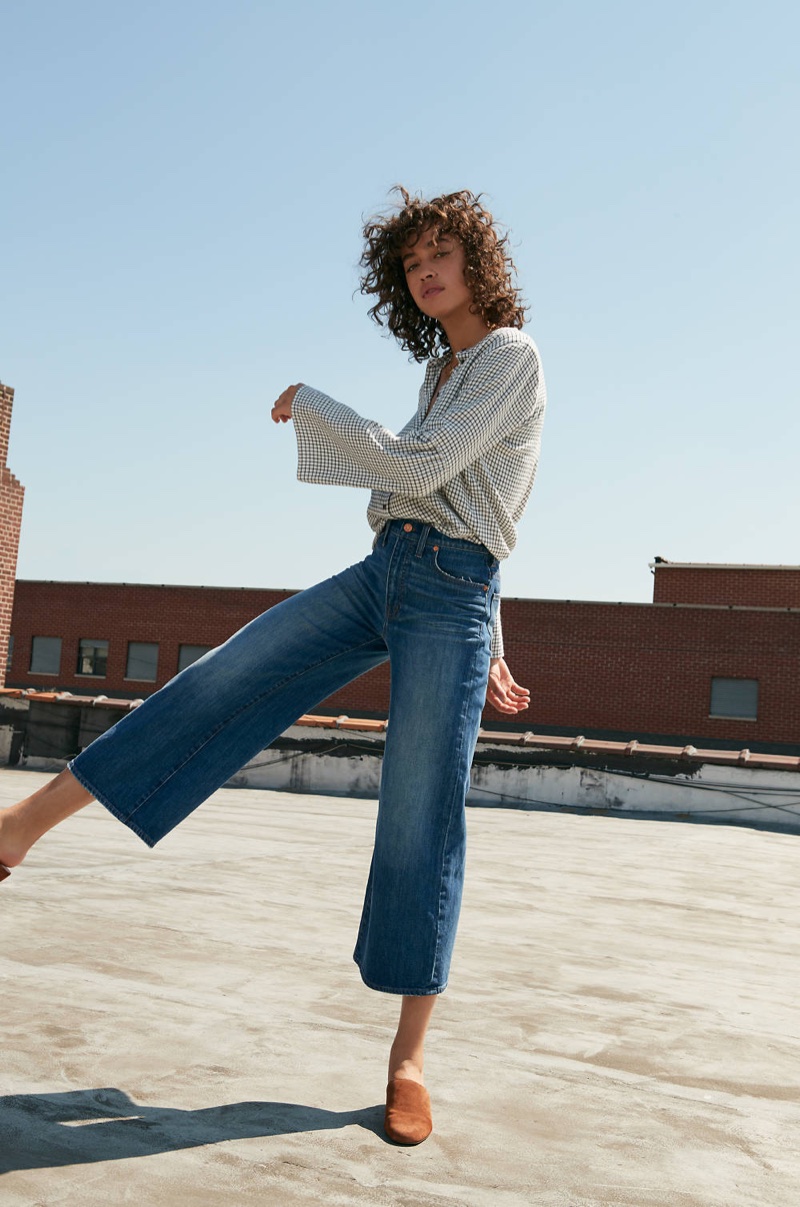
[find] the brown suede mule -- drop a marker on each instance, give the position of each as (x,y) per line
(408,1112)
(4,871)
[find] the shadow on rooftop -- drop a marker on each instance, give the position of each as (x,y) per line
(45,1131)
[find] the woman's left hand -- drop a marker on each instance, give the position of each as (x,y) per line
(502,692)
(282,411)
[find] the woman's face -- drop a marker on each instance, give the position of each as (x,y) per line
(434,267)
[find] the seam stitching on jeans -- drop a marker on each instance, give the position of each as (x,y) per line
(437,947)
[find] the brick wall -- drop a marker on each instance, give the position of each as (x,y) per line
(171,616)
(756,586)
(11,498)
(647,668)
(634,669)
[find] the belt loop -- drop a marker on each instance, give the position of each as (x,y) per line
(385,533)
(423,537)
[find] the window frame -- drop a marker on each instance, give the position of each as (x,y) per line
(138,678)
(95,643)
(190,645)
(728,716)
(48,673)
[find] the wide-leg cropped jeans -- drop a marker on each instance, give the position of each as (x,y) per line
(426,602)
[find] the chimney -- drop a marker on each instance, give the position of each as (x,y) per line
(11,497)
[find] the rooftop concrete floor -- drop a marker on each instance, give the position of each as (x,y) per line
(186,1025)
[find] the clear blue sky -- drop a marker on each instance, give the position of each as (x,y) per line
(180,216)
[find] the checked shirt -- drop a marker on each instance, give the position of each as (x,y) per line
(466,466)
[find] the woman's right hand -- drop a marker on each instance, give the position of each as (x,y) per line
(282,410)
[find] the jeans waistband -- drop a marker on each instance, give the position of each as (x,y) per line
(425,535)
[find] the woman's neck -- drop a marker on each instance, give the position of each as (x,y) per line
(463,332)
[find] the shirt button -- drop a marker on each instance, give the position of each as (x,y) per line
(408,528)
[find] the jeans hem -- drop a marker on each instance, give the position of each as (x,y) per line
(112,809)
(403,992)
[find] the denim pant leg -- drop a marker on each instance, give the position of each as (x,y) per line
(168,755)
(439,635)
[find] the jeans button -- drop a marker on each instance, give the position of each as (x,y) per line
(408,528)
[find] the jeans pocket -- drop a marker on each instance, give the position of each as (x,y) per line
(471,571)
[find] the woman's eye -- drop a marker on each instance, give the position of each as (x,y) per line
(410,268)
(442,253)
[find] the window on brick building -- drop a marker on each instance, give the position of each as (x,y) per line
(187,654)
(734,699)
(45,656)
(92,657)
(142,661)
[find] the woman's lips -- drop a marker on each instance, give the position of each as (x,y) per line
(432,290)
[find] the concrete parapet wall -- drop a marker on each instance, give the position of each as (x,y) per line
(706,792)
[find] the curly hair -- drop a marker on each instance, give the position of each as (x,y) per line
(489,269)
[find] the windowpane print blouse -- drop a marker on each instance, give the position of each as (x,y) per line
(466,467)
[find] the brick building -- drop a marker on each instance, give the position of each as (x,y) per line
(715,659)
(685,673)
(743,586)
(11,497)
(127,640)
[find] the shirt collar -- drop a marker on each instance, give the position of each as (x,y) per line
(466,354)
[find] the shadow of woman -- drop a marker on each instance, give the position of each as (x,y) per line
(40,1131)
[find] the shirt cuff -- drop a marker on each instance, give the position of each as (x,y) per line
(497,636)
(313,452)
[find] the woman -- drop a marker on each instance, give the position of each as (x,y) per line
(447,494)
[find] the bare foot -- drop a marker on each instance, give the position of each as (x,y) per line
(22,824)
(13,843)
